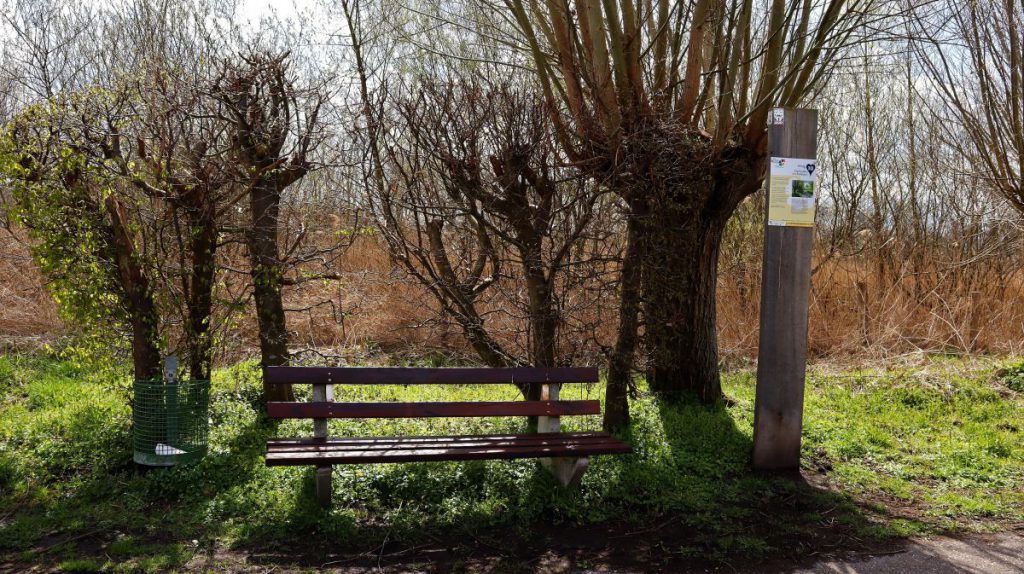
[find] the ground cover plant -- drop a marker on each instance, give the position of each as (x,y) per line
(926,449)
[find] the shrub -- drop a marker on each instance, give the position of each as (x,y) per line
(1012,376)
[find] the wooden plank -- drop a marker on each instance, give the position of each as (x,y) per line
(567,471)
(290,441)
(439,442)
(276,410)
(321,393)
(451,448)
(437,454)
(785,288)
(322,484)
(324,473)
(304,441)
(549,424)
(425,376)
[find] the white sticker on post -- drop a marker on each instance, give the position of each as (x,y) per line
(778,117)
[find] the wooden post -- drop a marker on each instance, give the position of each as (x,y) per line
(323,393)
(171,379)
(567,470)
(785,290)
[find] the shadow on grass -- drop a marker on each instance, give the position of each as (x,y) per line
(686,498)
(738,512)
(151,518)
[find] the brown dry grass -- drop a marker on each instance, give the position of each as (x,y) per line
(376,308)
(854,314)
(28,314)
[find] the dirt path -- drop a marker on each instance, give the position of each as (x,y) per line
(976,554)
(989,554)
(1001,553)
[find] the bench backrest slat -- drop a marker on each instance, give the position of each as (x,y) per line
(427,376)
(276,410)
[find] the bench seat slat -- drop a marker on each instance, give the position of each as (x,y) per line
(298,441)
(282,410)
(385,443)
(524,446)
(426,376)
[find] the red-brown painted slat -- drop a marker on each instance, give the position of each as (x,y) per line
(293,441)
(426,376)
(453,447)
(429,410)
(568,448)
(402,443)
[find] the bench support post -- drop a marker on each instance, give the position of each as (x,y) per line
(323,485)
(567,470)
(322,482)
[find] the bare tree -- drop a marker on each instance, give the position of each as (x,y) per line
(50,47)
(972,53)
(667,103)
(480,179)
(179,157)
(274,129)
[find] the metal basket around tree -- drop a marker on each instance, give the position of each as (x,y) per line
(170,421)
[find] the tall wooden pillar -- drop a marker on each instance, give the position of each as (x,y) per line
(785,291)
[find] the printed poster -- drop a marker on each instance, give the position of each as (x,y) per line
(792,188)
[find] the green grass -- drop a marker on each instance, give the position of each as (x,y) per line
(903,453)
(950,446)
(1011,376)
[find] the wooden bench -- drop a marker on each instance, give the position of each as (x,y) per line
(565,455)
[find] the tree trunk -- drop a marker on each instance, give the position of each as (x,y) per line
(145,351)
(138,296)
(543,319)
(543,323)
(620,363)
(203,245)
(679,282)
(267,281)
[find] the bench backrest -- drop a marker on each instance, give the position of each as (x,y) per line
(427,376)
(323,408)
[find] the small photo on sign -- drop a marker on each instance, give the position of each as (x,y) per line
(803,189)
(801,196)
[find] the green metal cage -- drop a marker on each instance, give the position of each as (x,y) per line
(171,421)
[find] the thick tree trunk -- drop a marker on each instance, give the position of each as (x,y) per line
(138,296)
(543,319)
(203,244)
(145,351)
(679,282)
(543,323)
(620,363)
(268,280)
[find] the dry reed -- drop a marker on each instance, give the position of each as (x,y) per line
(374,307)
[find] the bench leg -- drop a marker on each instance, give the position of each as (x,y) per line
(568,471)
(323,486)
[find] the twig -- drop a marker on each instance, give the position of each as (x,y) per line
(380,555)
(888,552)
(371,551)
(645,530)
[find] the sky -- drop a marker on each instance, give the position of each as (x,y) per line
(253,10)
